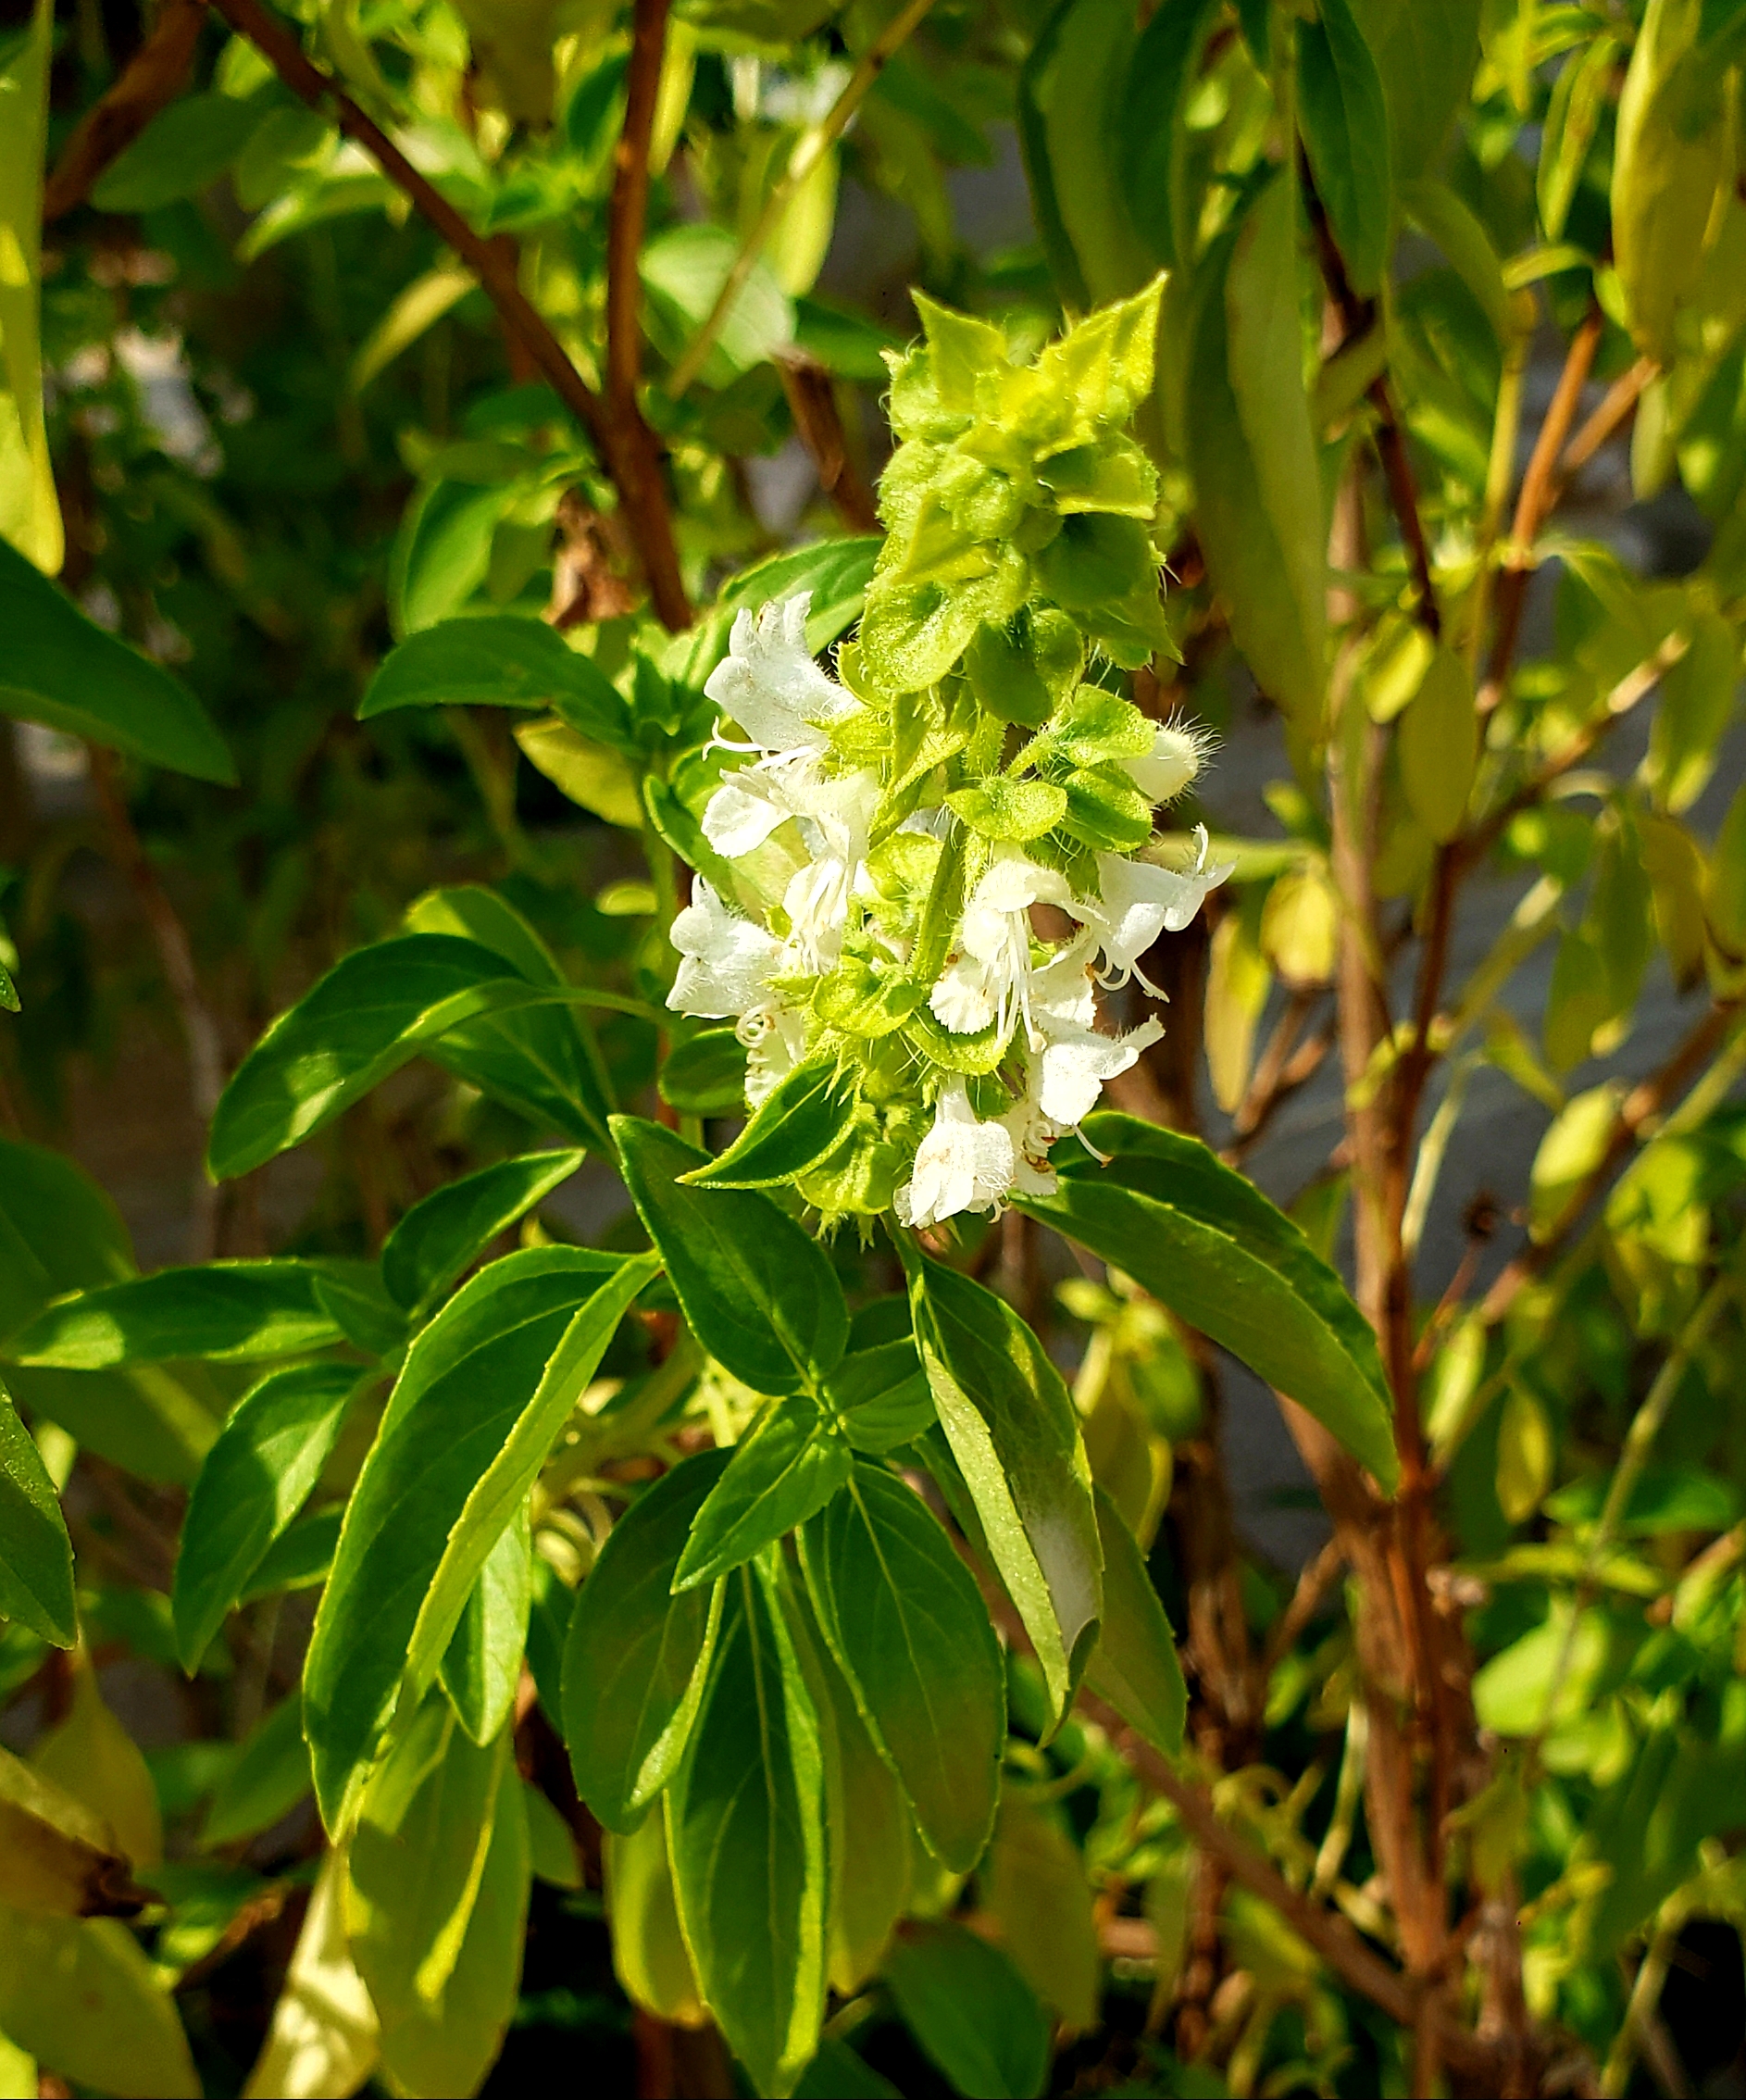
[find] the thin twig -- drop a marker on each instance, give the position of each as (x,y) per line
(628,213)
(154,77)
(1617,402)
(1313,1584)
(812,401)
(640,494)
(175,955)
(809,150)
(1539,492)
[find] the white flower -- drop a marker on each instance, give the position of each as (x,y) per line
(1141,901)
(769,684)
(960,1165)
(775,1038)
(726,962)
(1032,1133)
(1177,756)
(989,981)
(1075,1064)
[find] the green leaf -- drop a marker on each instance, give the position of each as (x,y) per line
(746,1832)
(1017,810)
(29,509)
(484,1392)
(441,553)
(1670,156)
(1035,1887)
(1579,95)
(63,670)
(184,150)
(758,1294)
(1210,1245)
(58,1232)
(706,1075)
(1427,58)
(636,1657)
(443,1958)
(882,1395)
(256,1477)
(374,1011)
(1437,210)
(872,1836)
(1696,706)
(483,1664)
(837,2073)
(545,1065)
(9,993)
(1015,1433)
(1134,1665)
(788,1469)
(834,572)
(80,1994)
(454,1224)
(499,661)
(269,1778)
(58,1856)
(903,1618)
(649,1955)
(972,2012)
(1251,446)
(225,1311)
(1439,745)
(1153,139)
(796,1125)
(36,1557)
(683,269)
(300,1558)
(1345,122)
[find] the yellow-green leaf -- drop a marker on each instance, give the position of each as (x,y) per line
(1439,746)
(30,511)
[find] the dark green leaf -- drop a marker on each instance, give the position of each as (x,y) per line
(484,1392)
(63,670)
(972,2012)
(635,1657)
(269,1778)
(790,1467)
(796,1124)
(706,1075)
(9,993)
(454,1224)
(882,1395)
(747,1826)
(836,572)
(1152,138)
(758,1293)
(1426,56)
(36,1557)
(256,1477)
(1212,1247)
(483,1664)
(58,1232)
(906,1623)
(1345,121)
(300,1558)
(184,150)
(227,1311)
(376,1010)
(1134,1665)
(545,1065)
(499,661)
(1015,1434)
(837,2073)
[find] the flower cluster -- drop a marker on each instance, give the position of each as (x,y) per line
(923,883)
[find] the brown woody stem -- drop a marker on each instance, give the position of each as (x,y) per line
(154,76)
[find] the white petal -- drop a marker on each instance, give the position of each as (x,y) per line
(1014,881)
(960,1165)
(964,998)
(726,961)
(770,685)
(1075,1067)
(736,821)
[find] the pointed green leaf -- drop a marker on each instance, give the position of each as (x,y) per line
(225,1311)
(269,1778)
(499,661)
(796,1124)
(1134,1665)
(636,1656)
(1345,121)
(81,1997)
(706,1075)
(746,1832)
(36,1557)
(255,1478)
(481,1666)
(1212,1247)
(972,2012)
(483,1393)
(757,1292)
(882,1395)
(1015,1434)
(903,1618)
(64,669)
(454,1224)
(787,1469)
(374,1011)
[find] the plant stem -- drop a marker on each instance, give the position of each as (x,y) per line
(154,76)
(811,147)
(625,454)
